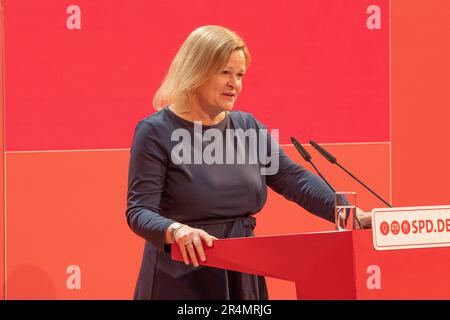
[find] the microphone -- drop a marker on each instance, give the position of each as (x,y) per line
(305,154)
(333,160)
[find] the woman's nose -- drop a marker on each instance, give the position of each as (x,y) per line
(233,82)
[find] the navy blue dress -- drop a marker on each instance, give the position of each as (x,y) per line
(218,198)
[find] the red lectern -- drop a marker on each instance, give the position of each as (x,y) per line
(336,265)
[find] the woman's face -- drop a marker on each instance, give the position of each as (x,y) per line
(220,92)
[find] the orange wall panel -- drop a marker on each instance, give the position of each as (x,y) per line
(420,102)
(68,208)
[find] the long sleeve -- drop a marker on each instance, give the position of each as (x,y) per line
(146,178)
(300,185)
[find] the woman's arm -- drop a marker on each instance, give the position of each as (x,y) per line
(298,184)
(146,178)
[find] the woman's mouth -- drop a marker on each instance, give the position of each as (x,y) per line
(229,95)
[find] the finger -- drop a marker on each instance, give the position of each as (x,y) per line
(207,238)
(199,247)
(359,226)
(366,220)
(184,253)
(191,251)
(341,220)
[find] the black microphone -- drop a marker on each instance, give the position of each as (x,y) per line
(305,154)
(333,160)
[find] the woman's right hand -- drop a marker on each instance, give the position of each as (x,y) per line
(190,241)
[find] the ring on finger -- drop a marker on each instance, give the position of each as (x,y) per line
(186,243)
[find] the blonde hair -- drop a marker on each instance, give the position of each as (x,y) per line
(205,51)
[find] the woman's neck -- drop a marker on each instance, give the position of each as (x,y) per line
(198,114)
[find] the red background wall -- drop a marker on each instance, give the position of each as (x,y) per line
(73,97)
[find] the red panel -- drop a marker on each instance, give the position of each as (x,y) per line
(281,289)
(403,274)
(69,209)
(420,102)
(312,260)
(316,66)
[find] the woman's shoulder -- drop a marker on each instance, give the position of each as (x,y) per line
(157,126)
(158,120)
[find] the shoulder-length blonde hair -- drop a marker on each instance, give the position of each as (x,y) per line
(205,51)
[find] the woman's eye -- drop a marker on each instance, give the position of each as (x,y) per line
(227,72)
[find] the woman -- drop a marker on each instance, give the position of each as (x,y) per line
(172,200)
